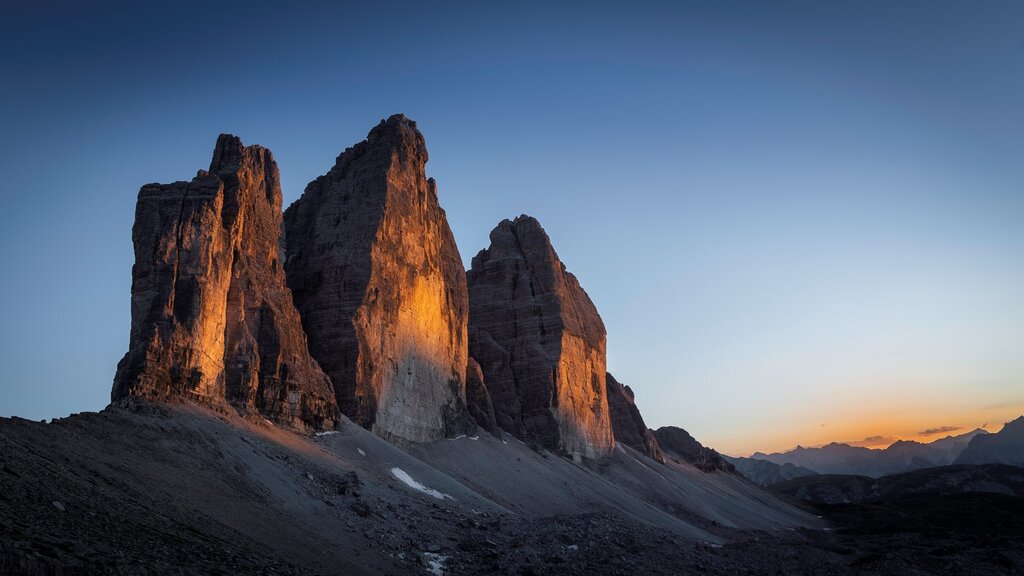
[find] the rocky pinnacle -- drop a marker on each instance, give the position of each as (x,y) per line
(539,342)
(381,288)
(212,318)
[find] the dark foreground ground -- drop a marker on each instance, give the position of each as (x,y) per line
(182,490)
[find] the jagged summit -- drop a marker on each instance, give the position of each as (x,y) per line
(1015,424)
(211,316)
(379,282)
(1005,446)
(539,341)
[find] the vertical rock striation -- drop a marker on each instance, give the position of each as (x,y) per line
(212,318)
(380,285)
(540,343)
(627,424)
(478,399)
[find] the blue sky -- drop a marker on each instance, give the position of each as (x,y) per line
(800,221)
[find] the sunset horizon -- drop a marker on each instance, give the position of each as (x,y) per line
(395,288)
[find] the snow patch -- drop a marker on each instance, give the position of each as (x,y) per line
(361,453)
(435,563)
(326,433)
(408,480)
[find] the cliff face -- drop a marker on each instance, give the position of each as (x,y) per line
(380,286)
(540,343)
(212,318)
(627,423)
(478,399)
(678,442)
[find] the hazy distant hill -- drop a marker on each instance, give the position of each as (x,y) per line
(767,473)
(1005,446)
(901,456)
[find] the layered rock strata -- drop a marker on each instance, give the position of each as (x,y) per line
(540,343)
(212,318)
(627,424)
(381,288)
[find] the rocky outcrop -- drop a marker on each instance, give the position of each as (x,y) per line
(540,343)
(627,424)
(678,443)
(381,288)
(212,318)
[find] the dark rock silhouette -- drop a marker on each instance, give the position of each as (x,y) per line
(1004,447)
(900,456)
(627,423)
(940,480)
(381,288)
(678,442)
(212,318)
(540,343)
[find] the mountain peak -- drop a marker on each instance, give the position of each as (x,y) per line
(212,317)
(1015,424)
(540,341)
(227,153)
(397,131)
(377,277)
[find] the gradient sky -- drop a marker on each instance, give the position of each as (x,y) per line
(800,221)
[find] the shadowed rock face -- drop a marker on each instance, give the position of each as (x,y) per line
(678,442)
(381,288)
(627,423)
(1005,446)
(540,343)
(212,318)
(478,398)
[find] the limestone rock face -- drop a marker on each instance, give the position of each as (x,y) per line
(540,343)
(627,423)
(380,285)
(478,399)
(678,442)
(212,317)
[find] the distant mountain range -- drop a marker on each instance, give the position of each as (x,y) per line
(974,447)
(767,473)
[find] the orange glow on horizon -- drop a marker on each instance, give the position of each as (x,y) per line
(869,430)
